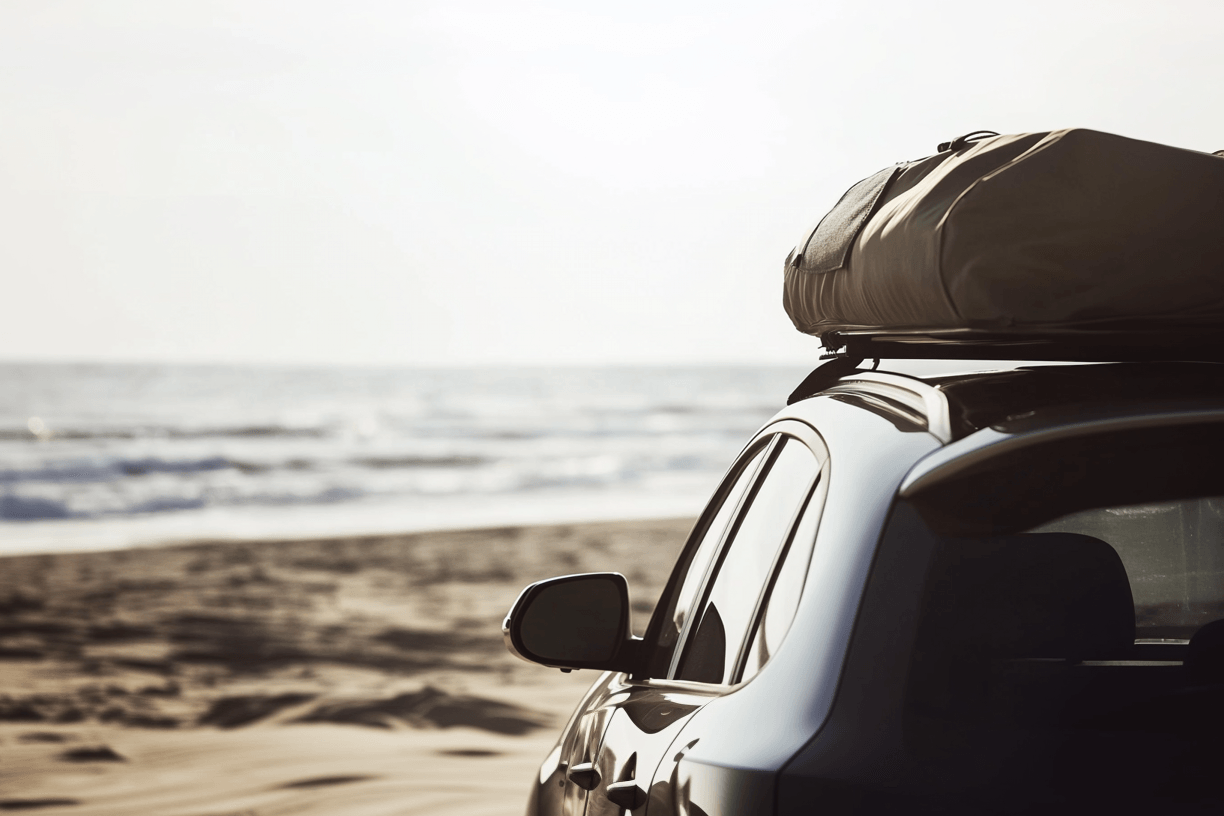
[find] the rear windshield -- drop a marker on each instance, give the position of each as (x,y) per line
(1173,553)
(1077,659)
(1072,654)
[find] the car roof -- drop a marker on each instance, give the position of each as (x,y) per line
(954,398)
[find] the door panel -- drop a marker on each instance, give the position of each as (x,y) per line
(558,794)
(684,787)
(638,736)
(640,760)
(566,777)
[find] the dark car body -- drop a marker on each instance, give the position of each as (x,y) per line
(975,592)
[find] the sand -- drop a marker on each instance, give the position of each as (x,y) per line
(339,676)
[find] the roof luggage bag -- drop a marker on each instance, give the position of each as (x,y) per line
(1070,235)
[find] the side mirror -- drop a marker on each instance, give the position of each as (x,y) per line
(574,622)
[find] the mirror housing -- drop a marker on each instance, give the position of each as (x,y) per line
(574,622)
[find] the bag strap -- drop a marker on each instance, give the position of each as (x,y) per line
(961,142)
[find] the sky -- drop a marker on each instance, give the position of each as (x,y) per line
(413,182)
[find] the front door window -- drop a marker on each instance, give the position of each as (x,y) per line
(682,598)
(746,565)
(714,598)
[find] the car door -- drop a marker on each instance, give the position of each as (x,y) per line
(714,627)
(694,789)
(572,765)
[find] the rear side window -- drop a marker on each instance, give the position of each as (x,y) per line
(782,600)
(731,600)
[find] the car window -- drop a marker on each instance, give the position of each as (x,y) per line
(691,572)
(746,563)
(1105,622)
(782,599)
(1173,554)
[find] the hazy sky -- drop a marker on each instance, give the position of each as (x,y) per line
(506,182)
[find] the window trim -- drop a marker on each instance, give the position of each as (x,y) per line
(763,441)
(814,499)
(711,569)
(809,438)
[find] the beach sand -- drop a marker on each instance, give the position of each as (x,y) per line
(339,676)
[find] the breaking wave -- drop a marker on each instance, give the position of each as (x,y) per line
(83,443)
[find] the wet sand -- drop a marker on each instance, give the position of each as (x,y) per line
(340,676)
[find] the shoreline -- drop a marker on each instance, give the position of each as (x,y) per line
(154,531)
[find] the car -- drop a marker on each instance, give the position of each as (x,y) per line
(931,587)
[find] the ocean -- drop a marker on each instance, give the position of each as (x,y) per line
(99,456)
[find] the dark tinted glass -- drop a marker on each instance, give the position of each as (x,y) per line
(1173,553)
(679,605)
(783,599)
(746,565)
(578,620)
(1090,649)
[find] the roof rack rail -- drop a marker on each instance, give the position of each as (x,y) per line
(907,397)
(1112,344)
